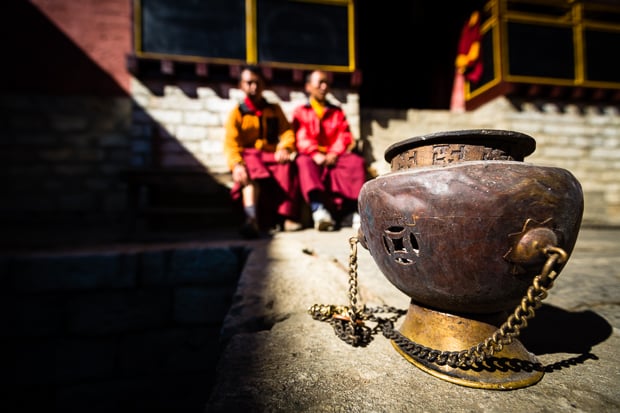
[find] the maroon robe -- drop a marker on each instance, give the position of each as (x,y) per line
(278,185)
(340,183)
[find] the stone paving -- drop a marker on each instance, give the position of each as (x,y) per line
(278,359)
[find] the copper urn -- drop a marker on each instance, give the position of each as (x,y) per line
(462,225)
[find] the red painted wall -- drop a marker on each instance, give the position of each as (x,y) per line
(67,46)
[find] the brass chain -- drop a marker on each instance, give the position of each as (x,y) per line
(348,321)
(353,292)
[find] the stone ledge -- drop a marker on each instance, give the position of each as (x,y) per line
(277,358)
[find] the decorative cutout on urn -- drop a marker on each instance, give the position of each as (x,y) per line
(400,245)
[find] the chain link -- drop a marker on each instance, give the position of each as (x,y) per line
(349,321)
(353,312)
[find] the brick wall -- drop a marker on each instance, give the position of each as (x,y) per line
(63,157)
(189,119)
(101,30)
(582,139)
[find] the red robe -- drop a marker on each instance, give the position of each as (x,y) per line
(252,136)
(341,183)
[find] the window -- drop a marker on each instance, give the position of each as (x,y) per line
(280,33)
(561,44)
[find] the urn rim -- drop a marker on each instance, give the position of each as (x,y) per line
(517,144)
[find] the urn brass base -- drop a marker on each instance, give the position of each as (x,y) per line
(511,368)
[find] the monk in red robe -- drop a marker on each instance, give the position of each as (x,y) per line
(260,147)
(330,174)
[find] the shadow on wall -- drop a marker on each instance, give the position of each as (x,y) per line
(72,141)
(44,61)
(71,146)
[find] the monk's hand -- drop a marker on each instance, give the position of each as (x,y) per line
(330,159)
(240,174)
(282,156)
(319,158)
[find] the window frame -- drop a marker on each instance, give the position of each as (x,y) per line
(252,41)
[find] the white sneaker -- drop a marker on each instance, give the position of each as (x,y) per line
(356,221)
(322,220)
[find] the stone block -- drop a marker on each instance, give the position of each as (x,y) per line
(201,118)
(176,349)
(73,272)
(32,315)
(201,305)
(153,393)
(212,266)
(154,268)
(79,359)
(117,312)
(68,123)
(63,359)
(167,116)
(186,132)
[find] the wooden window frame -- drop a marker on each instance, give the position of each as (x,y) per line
(496,24)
